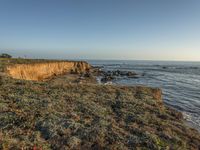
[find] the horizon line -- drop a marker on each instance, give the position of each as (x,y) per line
(110,59)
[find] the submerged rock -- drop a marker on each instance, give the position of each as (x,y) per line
(131,74)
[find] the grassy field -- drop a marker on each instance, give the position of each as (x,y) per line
(72,112)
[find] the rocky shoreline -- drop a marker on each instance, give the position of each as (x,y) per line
(109,76)
(72,111)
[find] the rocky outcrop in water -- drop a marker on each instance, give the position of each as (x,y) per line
(112,75)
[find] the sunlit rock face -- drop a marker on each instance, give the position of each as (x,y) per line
(43,71)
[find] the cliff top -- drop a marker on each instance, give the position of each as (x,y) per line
(58,114)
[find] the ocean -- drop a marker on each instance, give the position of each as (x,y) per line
(179,81)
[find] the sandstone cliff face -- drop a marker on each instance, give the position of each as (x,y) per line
(42,71)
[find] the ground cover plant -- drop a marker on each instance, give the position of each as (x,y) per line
(72,112)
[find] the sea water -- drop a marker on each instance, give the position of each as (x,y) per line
(179,81)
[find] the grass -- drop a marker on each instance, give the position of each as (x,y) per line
(41,70)
(58,114)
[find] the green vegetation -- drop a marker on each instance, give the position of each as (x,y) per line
(71,112)
(5,55)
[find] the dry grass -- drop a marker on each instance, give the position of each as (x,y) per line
(42,71)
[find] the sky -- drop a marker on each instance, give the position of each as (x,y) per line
(101,29)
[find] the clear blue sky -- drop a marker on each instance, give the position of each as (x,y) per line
(101,29)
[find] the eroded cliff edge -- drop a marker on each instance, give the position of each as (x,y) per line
(41,71)
(56,114)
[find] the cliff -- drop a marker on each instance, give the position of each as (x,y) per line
(42,71)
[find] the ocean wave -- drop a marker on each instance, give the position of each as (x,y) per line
(193,119)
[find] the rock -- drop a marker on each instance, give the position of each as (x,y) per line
(116,73)
(164,67)
(107,78)
(87,75)
(97,71)
(111,75)
(131,74)
(123,73)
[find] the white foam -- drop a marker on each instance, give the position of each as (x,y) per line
(193,119)
(108,83)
